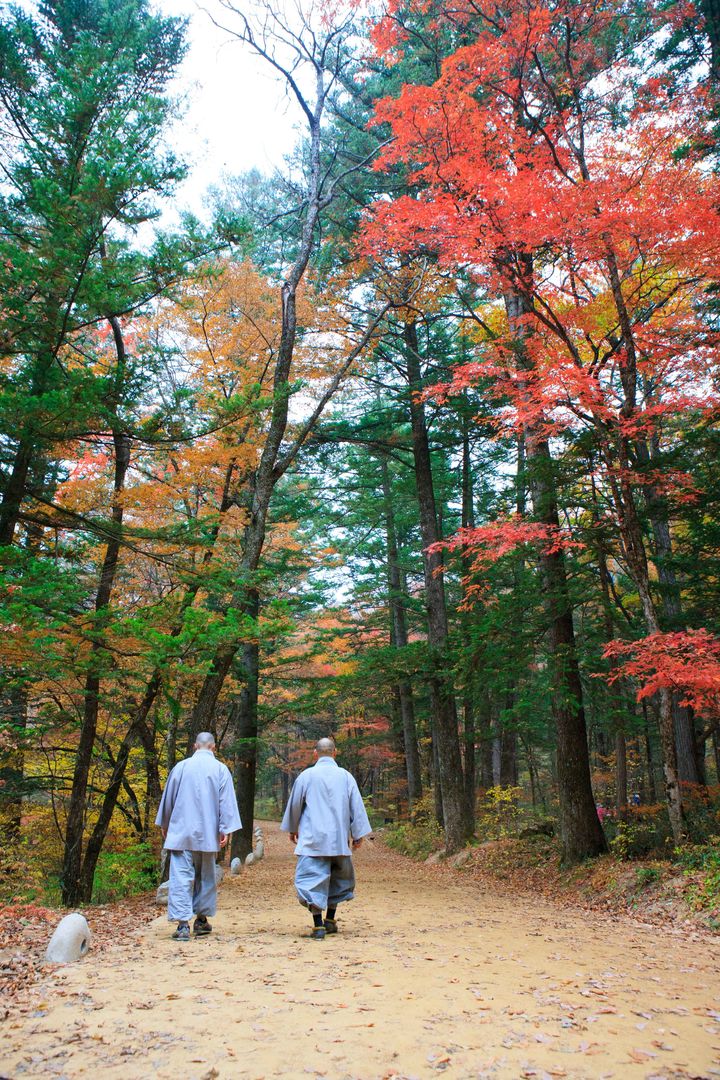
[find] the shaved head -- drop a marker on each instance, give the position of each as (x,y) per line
(323,747)
(205,740)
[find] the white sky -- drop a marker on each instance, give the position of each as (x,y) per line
(238,116)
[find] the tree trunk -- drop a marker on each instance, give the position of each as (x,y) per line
(457,816)
(12,774)
(244,738)
(581,833)
(649,763)
(711,15)
(469,754)
(468,522)
(437,787)
(622,454)
(15,488)
(485,737)
(616,688)
(153,786)
(399,639)
(621,784)
(73,884)
(689,765)
(636,559)
(14,491)
(508,759)
(99,832)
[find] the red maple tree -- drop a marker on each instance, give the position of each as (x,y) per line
(563,172)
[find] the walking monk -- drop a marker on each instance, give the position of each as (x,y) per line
(324,813)
(197,813)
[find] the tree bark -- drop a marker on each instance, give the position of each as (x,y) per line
(711,13)
(485,738)
(621,784)
(581,833)
(468,522)
(689,763)
(15,490)
(112,791)
(622,454)
(243,745)
(399,639)
(13,771)
(649,763)
(457,815)
(72,878)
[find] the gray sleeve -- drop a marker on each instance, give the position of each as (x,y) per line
(169,796)
(296,803)
(359,822)
(229,814)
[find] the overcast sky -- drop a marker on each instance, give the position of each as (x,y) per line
(238,116)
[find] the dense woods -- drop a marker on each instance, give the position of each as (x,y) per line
(413,443)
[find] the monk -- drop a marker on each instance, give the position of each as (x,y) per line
(324,815)
(197,813)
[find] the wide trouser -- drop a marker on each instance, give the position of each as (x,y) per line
(324,881)
(192,889)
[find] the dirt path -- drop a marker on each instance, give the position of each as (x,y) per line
(428,974)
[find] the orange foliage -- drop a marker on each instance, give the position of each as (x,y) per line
(686,661)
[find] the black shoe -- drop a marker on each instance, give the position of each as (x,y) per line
(331,926)
(183,932)
(201,926)
(318,933)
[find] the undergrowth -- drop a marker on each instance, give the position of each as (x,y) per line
(124,873)
(641,871)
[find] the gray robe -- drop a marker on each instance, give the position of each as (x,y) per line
(325,809)
(198,804)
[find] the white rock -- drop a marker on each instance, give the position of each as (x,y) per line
(249,859)
(161,896)
(259,851)
(219,873)
(236,865)
(70,941)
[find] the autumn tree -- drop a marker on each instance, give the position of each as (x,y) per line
(290,44)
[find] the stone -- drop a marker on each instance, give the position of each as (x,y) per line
(236,866)
(259,851)
(249,859)
(219,873)
(161,896)
(70,941)
(462,858)
(538,828)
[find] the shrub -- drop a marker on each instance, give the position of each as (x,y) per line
(124,873)
(702,812)
(646,875)
(266,809)
(645,831)
(701,862)
(499,812)
(421,836)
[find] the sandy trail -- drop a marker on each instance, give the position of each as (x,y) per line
(429,973)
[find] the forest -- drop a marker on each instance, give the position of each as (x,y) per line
(413,441)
